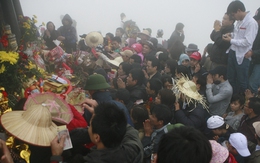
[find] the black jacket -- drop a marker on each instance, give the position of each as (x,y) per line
(256,49)
(137,92)
(176,36)
(220,46)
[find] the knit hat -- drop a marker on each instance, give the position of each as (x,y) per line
(182,58)
(96,82)
(137,47)
(215,121)
(192,48)
(196,56)
(219,153)
(239,142)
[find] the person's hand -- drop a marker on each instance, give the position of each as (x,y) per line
(145,74)
(216,138)
(217,25)
(227,37)
(48,33)
(5,153)
(154,158)
(249,54)
(224,115)
(248,94)
(57,145)
(148,129)
(61,38)
(120,83)
(89,104)
(177,106)
(197,68)
(209,79)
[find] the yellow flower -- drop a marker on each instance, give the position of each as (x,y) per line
(26,25)
(2,69)
(43,23)
(20,16)
(34,16)
(10,57)
(34,21)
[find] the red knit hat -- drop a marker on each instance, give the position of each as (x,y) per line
(137,47)
(196,55)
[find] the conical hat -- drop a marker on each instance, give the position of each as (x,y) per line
(33,126)
(60,110)
(93,39)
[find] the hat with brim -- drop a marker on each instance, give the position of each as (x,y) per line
(59,109)
(144,32)
(33,126)
(192,48)
(127,53)
(116,62)
(96,82)
(188,88)
(93,39)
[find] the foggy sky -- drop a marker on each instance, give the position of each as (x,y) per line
(198,16)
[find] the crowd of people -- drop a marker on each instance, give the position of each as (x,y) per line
(150,99)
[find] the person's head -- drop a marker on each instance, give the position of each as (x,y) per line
(257,16)
(191,48)
(153,64)
(219,153)
(124,68)
(237,10)
(182,71)
(184,60)
(135,59)
(159,33)
(160,115)
(122,95)
(119,32)
(139,114)
(170,67)
(109,36)
(107,125)
(167,81)
(96,82)
(147,47)
(137,48)
(237,102)
(153,86)
(163,57)
(195,58)
(126,55)
(144,35)
(184,144)
(116,41)
(252,106)
(102,72)
(179,27)
(155,42)
(122,16)
(50,26)
(217,125)
(67,21)
(237,144)
(135,77)
(227,20)
(166,97)
(200,81)
(219,74)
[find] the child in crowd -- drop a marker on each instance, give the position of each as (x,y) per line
(184,60)
(233,118)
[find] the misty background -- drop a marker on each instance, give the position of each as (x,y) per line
(198,16)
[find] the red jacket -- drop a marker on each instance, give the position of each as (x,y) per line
(78,121)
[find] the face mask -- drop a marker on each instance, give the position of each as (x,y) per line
(217,82)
